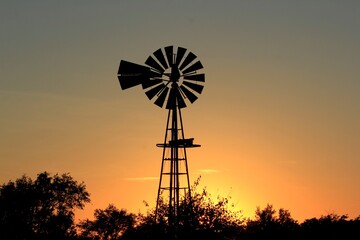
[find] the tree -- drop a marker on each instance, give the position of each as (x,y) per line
(269,226)
(215,219)
(109,224)
(40,209)
(204,218)
(331,226)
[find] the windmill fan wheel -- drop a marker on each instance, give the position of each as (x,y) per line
(168,77)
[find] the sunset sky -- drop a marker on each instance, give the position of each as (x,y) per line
(278,120)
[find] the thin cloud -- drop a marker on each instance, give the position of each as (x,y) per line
(141,179)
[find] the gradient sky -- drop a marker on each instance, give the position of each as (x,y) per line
(278,119)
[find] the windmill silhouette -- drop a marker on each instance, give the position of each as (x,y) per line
(170,80)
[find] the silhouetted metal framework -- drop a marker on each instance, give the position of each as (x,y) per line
(170,80)
(174,184)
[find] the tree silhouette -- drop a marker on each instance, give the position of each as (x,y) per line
(40,209)
(331,226)
(269,226)
(109,224)
(214,218)
(202,218)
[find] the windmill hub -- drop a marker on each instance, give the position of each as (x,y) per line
(175,74)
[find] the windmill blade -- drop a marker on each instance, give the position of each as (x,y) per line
(152,92)
(161,99)
(179,56)
(196,87)
(180,100)
(196,77)
(152,63)
(194,67)
(169,54)
(154,74)
(189,58)
(192,97)
(160,57)
(171,102)
(175,99)
(150,83)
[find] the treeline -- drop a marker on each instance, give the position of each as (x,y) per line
(44,209)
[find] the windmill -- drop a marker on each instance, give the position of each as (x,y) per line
(171,81)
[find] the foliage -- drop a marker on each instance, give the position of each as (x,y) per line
(200,218)
(109,224)
(214,218)
(331,226)
(40,209)
(267,224)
